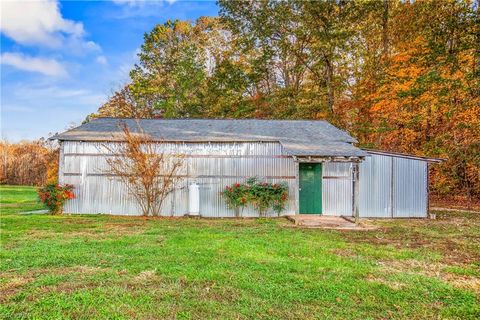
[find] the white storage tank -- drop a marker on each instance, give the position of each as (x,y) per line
(193,199)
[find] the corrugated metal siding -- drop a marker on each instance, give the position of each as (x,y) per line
(409,188)
(392,187)
(389,186)
(212,165)
(375,187)
(337,188)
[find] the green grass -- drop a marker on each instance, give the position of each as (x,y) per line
(92,266)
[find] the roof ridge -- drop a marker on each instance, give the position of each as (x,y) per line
(210,119)
(302,137)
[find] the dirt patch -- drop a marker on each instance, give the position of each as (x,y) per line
(69,287)
(452,202)
(344,253)
(388,236)
(210,290)
(35,273)
(455,237)
(70,219)
(93,232)
(74,269)
(126,225)
(395,285)
(456,253)
(13,285)
(124,228)
(39,233)
(430,269)
(62,287)
(145,276)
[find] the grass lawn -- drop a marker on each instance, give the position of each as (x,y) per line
(91,266)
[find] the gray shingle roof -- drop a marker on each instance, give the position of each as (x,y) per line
(298,137)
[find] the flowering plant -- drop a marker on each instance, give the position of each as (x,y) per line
(262,195)
(236,196)
(54,196)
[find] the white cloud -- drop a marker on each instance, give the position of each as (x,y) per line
(19,109)
(49,67)
(139,3)
(101,60)
(130,3)
(84,45)
(58,93)
(41,23)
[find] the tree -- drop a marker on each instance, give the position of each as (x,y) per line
(273,43)
(124,104)
(398,75)
(28,162)
(172,70)
(333,25)
(428,102)
(172,79)
(147,171)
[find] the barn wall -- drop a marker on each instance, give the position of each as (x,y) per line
(212,165)
(410,189)
(390,187)
(393,187)
(375,187)
(337,188)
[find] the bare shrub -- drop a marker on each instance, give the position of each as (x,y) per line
(148,174)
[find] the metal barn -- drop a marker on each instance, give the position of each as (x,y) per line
(326,174)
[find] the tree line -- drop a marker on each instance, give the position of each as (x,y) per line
(398,75)
(32,163)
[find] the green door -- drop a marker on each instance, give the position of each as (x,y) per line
(310,177)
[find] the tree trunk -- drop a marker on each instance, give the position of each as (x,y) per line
(476,67)
(329,81)
(386,10)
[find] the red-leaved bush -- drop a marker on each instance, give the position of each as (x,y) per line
(55,195)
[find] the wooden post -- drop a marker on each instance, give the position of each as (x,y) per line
(356,193)
(297,186)
(431,215)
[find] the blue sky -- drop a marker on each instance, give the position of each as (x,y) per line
(60,60)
